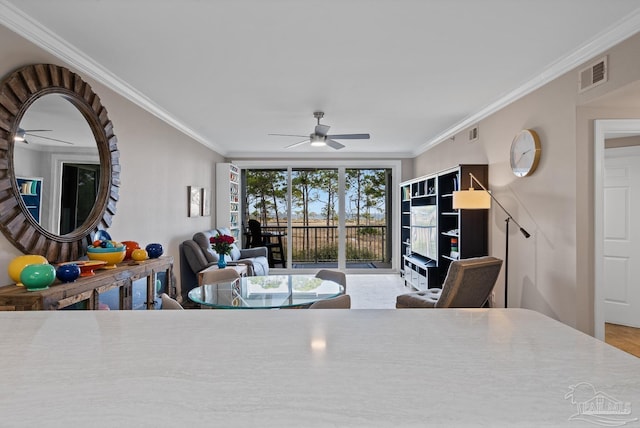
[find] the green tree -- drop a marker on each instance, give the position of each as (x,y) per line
(266,192)
(374,192)
(301,190)
(326,181)
(354,185)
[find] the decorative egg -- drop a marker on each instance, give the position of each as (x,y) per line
(68,272)
(130,245)
(139,254)
(38,277)
(19,263)
(154,250)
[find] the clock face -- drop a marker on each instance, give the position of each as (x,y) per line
(525,153)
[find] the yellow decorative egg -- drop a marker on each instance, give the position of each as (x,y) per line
(19,263)
(139,254)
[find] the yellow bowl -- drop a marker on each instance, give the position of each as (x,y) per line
(112,258)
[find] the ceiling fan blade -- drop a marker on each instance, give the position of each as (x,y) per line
(350,136)
(322,129)
(334,144)
(297,144)
(288,135)
(49,138)
(37,130)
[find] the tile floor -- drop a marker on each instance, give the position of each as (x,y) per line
(379,291)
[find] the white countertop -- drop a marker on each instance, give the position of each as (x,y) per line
(368,368)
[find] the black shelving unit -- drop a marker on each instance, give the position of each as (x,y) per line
(461,234)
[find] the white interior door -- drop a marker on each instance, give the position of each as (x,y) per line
(621,252)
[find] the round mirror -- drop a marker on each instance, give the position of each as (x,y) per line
(55,153)
(59,171)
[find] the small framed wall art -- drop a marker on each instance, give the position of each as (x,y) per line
(193,193)
(205,202)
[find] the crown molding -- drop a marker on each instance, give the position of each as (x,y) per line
(608,38)
(33,31)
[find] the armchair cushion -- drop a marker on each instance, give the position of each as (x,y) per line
(247,253)
(235,251)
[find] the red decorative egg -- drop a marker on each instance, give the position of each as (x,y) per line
(131,245)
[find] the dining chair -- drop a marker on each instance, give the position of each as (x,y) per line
(340,302)
(169,303)
(214,276)
(468,284)
(335,276)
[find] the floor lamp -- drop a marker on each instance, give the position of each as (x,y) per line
(481,200)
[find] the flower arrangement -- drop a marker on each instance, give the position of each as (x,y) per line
(222,243)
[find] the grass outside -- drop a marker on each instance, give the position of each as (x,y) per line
(319,243)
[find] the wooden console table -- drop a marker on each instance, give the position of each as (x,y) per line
(85,291)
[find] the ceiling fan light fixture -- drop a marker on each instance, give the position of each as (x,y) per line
(318,140)
(320,136)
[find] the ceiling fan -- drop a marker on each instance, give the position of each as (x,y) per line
(21,135)
(319,137)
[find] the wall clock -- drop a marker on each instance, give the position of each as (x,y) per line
(525,153)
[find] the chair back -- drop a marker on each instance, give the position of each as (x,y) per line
(469,282)
(256,234)
(213,275)
(340,302)
(335,276)
(169,303)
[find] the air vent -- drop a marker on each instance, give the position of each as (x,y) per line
(593,75)
(473,134)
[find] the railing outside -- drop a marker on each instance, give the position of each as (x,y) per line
(319,244)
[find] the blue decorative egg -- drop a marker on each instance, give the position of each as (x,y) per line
(68,272)
(154,250)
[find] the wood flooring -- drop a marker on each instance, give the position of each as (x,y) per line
(623,337)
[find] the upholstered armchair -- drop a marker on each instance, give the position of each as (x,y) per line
(468,285)
(196,254)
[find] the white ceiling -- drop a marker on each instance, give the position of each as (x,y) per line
(409,72)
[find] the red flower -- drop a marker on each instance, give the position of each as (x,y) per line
(222,243)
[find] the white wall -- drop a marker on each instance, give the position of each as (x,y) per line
(551,272)
(158,163)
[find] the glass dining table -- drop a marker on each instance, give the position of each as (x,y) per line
(266,292)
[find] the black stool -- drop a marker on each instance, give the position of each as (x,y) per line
(263,239)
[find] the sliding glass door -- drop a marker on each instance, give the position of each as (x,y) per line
(334,217)
(368,218)
(314,217)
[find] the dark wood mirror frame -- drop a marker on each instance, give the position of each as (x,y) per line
(18,91)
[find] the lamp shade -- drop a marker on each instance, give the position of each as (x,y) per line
(471,200)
